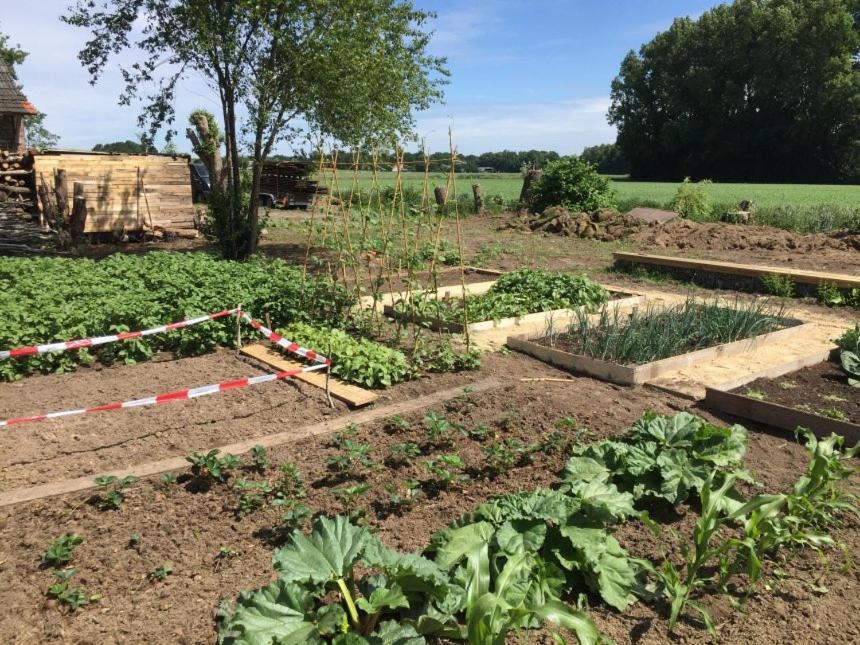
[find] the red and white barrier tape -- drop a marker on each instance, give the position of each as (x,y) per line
(20,352)
(178,395)
(287,344)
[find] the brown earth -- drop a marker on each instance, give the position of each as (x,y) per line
(819,389)
(186,529)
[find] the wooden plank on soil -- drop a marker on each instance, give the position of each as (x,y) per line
(351,394)
(369,415)
(778,416)
(841,280)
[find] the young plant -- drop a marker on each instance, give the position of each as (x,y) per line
(113,497)
(252,497)
(209,466)
(778,285)
(167,479)
(59,551)
(291,485)
(504,455)
(159,574)
(446,470)
(399,498)
(226,553)
(353,458)
(401,454)
(259,459)
(440,431)
(295,517)
(397,425)
(70,597)
(348,497)
(134,541)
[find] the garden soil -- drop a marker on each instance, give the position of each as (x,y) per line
(810,602)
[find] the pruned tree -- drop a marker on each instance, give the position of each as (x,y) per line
(350,70)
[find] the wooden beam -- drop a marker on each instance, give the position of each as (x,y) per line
(63,487)
(803,276)
(352,394)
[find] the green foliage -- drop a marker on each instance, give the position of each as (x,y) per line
(54,299)
(657,332)
(440,431)
(59,551)
(849,355)
(446,470)
(291,485)
(517,293)
(159,574)
(690,200)
(67,596)
(778,285)
(681,108)
(359,360)
(572,183)
(401,454)
(442,357)
(259,459)
(127,147)
(607,159)
(113,497)
(501,456)
(210,466)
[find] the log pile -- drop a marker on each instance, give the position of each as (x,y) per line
(16,178)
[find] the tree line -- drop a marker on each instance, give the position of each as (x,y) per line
(757,90)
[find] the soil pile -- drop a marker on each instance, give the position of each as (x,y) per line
(605,225)
(684,234)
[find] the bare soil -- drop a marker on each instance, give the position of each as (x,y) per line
(821,389)
(186,529)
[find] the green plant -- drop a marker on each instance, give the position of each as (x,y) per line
(209,466)
(403,497)
(295,516)
(353,458)
(397,424)
(359,361)
(134,541)
(290,485)
(59,550)
(442,357)
(71,597)
(348,496)
(160,573)
(401,454)
(758,395)
(445,470)
(573,183)
(252,497)
(113,497)
(439,431)
(691,201)
(504,455)
(259,459)
(226,553)
(849,356)
(167,479)
(778,285)
(829,294)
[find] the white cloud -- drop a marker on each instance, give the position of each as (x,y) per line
(564,126)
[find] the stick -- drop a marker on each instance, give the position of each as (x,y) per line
(328,377)
(239,327)
(548,378)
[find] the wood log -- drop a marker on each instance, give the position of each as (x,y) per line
(441,194)
(77,221)
(17,190)
(61,191)
(478,195)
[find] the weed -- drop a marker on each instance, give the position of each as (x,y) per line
(758,395)
(167,479)
(59,551)
(778,285)
(835,398)
(834,413)
(159,574)
(691,201)
(70,597)
(113,497)
(134,541)
(226,553)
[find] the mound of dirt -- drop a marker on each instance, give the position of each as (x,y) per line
(719,236)
(605,225)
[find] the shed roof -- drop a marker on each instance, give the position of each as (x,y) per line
(12,100)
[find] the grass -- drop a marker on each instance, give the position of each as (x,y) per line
(654,333)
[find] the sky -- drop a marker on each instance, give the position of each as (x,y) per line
(524,73)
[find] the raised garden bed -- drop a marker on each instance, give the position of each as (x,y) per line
(449,285)
(817,397)
(562,350)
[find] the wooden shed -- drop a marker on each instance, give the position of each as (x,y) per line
(14,106)
(123,192)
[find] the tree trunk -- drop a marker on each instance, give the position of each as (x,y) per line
(528,181)
(478,194)
(61,190)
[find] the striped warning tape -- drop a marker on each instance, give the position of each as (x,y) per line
(178,395)
(287,344)
(81,343)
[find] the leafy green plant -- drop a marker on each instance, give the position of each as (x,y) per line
(259,459)
(397,425)
(253,496)
(849,355)
(348,497)
(290,485)
(758,395)
(167,479)
(501,456)
(402,497)
(159,574)
(226,553)
(70,597)
(113,497)
(401,454)
(211,467)
(134,541)
(778,285)
(442,357)
(359,361)
(445,470)
(354,457)
(691,201)
(295,516)
(573,183)
(59,551)
(439,431)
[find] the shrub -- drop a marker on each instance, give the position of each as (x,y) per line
(357,360)
(690,200)
(572,183)
(778,285)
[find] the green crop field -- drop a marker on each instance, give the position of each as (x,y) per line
(508,185)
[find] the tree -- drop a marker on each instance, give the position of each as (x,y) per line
(128,146)
(756,90)
(38,136)
(607,158)
(350,70)
(572,183)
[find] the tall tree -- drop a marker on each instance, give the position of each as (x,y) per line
(754,90)
(351,70)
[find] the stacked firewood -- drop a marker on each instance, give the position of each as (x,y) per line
(16,178)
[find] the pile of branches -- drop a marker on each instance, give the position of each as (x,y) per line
(605,224)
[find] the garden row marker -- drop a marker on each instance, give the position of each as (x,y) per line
(178,395)
(81,343)
(20,495)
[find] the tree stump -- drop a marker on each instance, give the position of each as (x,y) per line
(478,194)
(528,180)
(441,194)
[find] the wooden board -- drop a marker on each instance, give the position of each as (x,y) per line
(778,416)
(63,487)
(638,374)
(841,280)
(351,394)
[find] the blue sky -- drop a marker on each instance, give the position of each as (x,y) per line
(525,74)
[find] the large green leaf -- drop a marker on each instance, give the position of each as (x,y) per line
(279,613)
(520,536)
(328,554)
(851,364)
(462,541)
(393,633)
(541,504)
(602,500)
(410,571)
(382,598)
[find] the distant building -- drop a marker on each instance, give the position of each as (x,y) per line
(486,169)
(14,106)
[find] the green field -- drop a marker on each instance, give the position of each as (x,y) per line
(508,185)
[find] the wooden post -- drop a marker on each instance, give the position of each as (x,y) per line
(528,180)
(441,194)
(78,220)
(478,194)
(61,191)
(239,327)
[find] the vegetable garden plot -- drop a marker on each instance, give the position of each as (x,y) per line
(449,283)
(649,343)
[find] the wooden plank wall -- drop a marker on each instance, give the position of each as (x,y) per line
(126,192)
